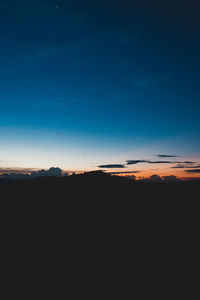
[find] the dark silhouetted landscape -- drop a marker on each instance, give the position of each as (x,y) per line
(99,148)
(95,223)
(99,186)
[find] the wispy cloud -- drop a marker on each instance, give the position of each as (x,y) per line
(125,172)
(166,156)
(187,164)
(180,163)
(161,162)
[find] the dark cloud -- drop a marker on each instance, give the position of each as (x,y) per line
(161,162)
(134,162)
(154,178)
(128,172)
(178,167)
(185,162)
(171,178)
(132,177)
(66,174)
(181,163)
(194,167)
(14,176)
(186,165)
(166,156)
(21,174)
(16,171)
(115,166)
(157,178)
(193,171)
(50,172)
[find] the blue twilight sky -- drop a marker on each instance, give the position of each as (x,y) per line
(84,83)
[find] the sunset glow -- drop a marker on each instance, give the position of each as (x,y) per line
(85,86)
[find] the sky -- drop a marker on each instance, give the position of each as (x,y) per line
(85,84)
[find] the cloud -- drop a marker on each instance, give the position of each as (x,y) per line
(133,162)
(154,178)
(114,166)
(50,172)
(178,167)
(193,167)
(166,156)
(16,171)
(193,171)
(66,174)
(14,176)
(23,174)
(187,165)
(132,177)
(161,162)
(128,172)
(171,178)
(181,163)
(157,178)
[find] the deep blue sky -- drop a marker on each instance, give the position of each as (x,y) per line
(99,77)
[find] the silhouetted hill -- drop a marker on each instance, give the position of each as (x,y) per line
(99,224)
(100,198)
(97,185)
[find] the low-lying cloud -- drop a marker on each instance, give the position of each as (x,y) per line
(16,170)
(50,172)
(16,174)
(157,179)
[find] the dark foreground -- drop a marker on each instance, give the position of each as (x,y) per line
(98,186)
(97,192)
(100,198)
(94,231)
(98,201)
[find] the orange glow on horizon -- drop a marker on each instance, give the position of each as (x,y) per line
(148,173)
(139,172)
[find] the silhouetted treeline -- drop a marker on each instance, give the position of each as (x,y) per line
(99,224)
(95,186)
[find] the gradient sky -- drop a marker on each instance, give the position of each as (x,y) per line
(88,83)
